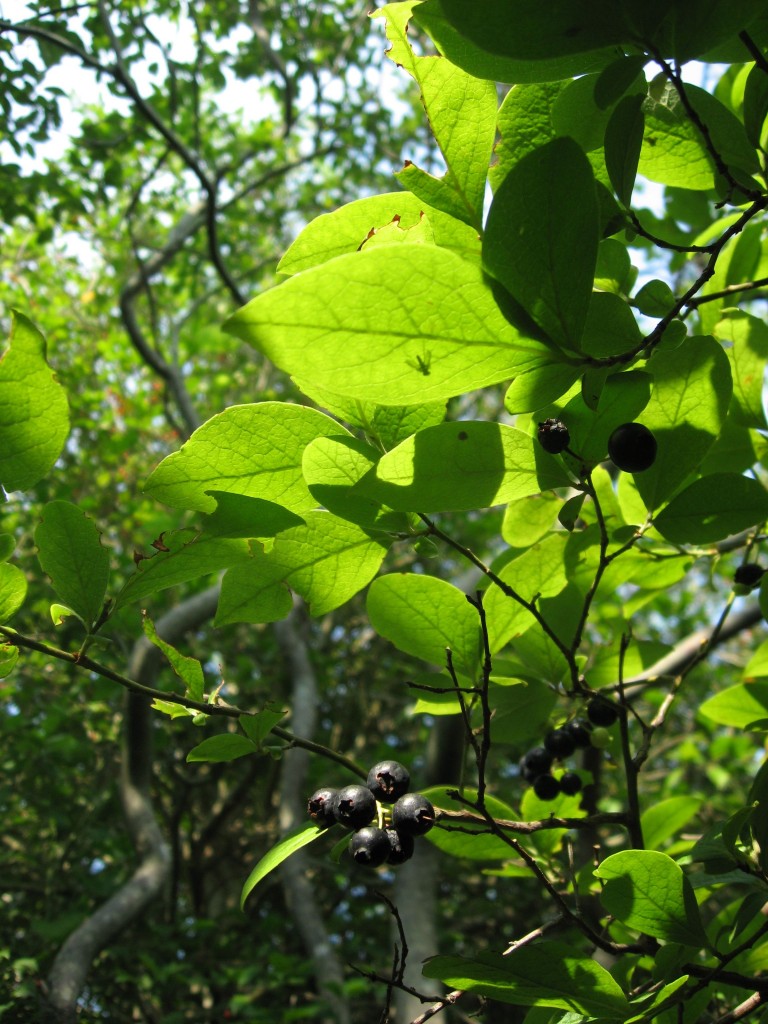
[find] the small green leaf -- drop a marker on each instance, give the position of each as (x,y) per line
(71,553)
(258,726)
(294,841)
(34,414)
(655,298)
(189,670)
(662,820)
(13,590)
(712,508)
(470,841)
(623,144)
(9,655)
(7,546)
(227,747)
(172,709)
(738,706)
(536,388)
(748,354)
(60,613)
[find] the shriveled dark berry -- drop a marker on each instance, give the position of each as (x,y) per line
(570,783)
(601,712)
(413,815)
(546,787)
(559,743)
(354,806)
(748,575)
(370,846)
(535,762)
(388,780)
(580,731)
(320,807)
(553,436)
(632,447)
(401,846)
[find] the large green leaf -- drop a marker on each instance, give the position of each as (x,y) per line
(469,841)
(748,354)
(390,326)
(521,709)
(13,590)
(541,237)
(524,122)
(423,616)
(326,560)
(738,706)
(544,974)
(34,415)
(302,836)
(712,508)
(71,553)
(660,821)
(462,465)
(253,450)
(648,891)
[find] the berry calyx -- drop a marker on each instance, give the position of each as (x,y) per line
(413,815)
(748,575)
(570,783)
(553,436)
(580,732)
(559,742)
(546,787)
(370,846)
(388,780)
(320,807)
(535,762)
(632,447)
(601,712)
(401,846)
(354,806)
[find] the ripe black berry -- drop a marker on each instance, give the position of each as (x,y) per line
(413,815)
(559,742)
(580,732)
(354,806)
(320,807)
(632,447)
(401,846)
(388,780)
(546,787)
(570,783)
(535,762)
(370,846)
(601,712)
(748,575)
(553,436)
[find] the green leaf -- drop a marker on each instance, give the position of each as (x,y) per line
(388,325)
(758,823)
(71,553)
(7,546)
(252,450)
(524,123)
(541,237)
(462,465)
(326,560)
(757,666)
(294,841)
(623,145)
(527,520)
(611,328)
(748,354)
(13,590)
(738,706)
(712,508)
(189,670)
(472,842)
(258,726)
(662,820)
(236,515)
(543,974)
(520,712)
(534,389)
(34,414)
(217,749)
(423,616)
(9,655)
(755,104)
(655,298)
(648,891)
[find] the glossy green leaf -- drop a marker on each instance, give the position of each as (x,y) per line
(462,465)
(217,749)
(544,974)
(541,237)
(188,669)
(748,354)
(388,326)
(648,891)
(13,590)
(325,560)
(662,820)
(470,842)
(71,553)
(252,450)
(294,841)
(424,616)
(34,414)
(738,706)
(712,508)
(623,145)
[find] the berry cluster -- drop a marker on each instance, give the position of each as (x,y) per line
(631,447)
(391,839)
(536,765)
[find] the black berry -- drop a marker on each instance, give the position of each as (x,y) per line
(570,783)
(354,806)
(535,762)
(320,807)
(632,447)
(553,436)
(370,846)
(748,575)
(601,712)
(559,742)
(546,787)
(413,815)
(580,732)
(401,846)
(388,780)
